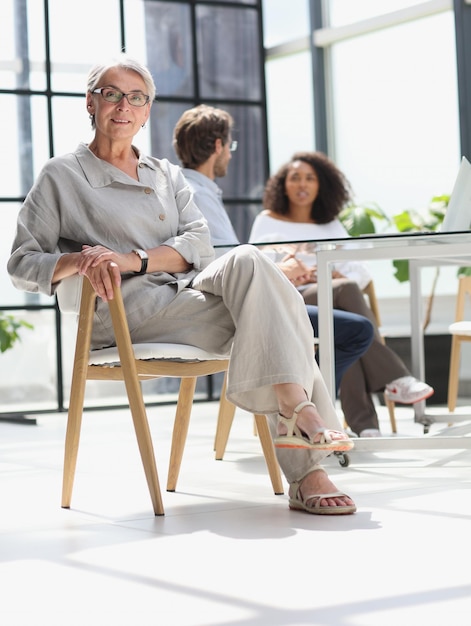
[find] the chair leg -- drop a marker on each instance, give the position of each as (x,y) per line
(144,440)
(225,419)
(72,438)
(392,417)
(180,429)
(269,453)
(74,417)
(224,424)
(453,377)
(389,403)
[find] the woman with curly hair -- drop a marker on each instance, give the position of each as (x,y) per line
(302,202)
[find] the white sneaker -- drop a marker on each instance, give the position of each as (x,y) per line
(407,390)
(370,432)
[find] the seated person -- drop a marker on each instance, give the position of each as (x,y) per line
(112,214)
(302,202)
(200,136)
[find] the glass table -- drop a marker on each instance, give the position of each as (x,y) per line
(420,249)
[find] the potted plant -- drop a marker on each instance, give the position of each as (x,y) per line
(9,335)
(360,219)
(429,219)
(9,327)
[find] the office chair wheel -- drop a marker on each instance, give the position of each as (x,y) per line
(343,459)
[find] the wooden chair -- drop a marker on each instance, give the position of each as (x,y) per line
(132,364)
(460,331)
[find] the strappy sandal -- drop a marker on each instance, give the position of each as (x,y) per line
(311,503)
(295,438)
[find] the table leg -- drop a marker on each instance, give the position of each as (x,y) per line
(326,326)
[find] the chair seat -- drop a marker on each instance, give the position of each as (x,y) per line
(460,328)
(155,352)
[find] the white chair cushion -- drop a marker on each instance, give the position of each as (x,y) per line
(460,328)
(155,351)
(69,293)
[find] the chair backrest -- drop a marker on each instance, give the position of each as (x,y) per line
(464,289)
(370,293)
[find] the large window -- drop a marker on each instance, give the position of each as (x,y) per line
(197,51)
(391,115)
(391,100)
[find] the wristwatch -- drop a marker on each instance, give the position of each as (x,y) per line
(142,254)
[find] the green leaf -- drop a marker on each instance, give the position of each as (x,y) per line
(9,327)
(359,219)
(402,270)
(406,221)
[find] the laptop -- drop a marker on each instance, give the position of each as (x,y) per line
(458,213)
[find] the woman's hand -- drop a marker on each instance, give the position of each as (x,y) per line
(103,277)
(96,263)
(92,256)
(296,271)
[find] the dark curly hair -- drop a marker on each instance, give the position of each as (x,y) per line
(334,188)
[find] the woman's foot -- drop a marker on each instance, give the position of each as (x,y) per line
(318,495)
(306,429)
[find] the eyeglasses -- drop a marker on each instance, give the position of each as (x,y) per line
(233,146)
(135,98)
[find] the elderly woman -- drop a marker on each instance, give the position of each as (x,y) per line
(302,202)
(108,207)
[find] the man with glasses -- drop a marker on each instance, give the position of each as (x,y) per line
(203,143)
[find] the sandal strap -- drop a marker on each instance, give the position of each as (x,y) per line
(325,432)
(290,422)
(301,406)
(304,499)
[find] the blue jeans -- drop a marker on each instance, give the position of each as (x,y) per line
(353,335)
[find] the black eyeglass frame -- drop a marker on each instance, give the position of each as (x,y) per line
(123,95)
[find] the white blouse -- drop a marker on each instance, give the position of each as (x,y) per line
(268,229)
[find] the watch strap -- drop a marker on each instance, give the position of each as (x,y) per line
(142,254)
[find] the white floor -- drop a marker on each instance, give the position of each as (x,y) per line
(228,551)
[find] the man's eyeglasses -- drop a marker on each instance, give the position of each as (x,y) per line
(135,98)
(233,146)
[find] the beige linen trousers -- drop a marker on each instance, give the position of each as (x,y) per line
(242,304)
